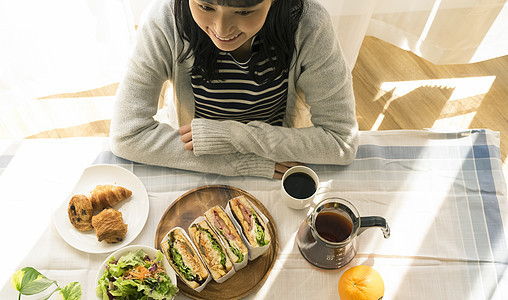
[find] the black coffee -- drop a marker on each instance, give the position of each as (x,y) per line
(333,227)
(299,185)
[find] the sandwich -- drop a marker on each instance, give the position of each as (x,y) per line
(222,224)
(184,260)
(211,249)
(253,226)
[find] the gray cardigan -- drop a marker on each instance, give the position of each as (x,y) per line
(319,125)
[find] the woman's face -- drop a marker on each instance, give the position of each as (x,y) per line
(229,27)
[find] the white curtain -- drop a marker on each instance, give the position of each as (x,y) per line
(441,31)
(63,46)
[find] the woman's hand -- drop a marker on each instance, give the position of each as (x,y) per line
(282,167)
(186,136)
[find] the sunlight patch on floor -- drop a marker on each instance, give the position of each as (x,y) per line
(463,87)
(455,122)
(459,111)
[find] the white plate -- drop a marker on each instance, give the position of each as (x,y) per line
(151,252)
(134,209)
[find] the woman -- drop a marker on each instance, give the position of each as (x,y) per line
(240,71)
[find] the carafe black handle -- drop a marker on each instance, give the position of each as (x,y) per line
(368,222)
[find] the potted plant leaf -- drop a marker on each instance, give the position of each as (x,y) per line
(29,281)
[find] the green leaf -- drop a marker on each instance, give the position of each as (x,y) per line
(16,279)
(72,291)
(29,281)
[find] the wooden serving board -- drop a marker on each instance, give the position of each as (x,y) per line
(194,203)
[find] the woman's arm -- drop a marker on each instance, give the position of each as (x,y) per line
(322,74)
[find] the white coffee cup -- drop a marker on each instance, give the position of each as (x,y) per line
(297,192)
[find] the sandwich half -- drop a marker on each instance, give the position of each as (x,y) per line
(211,249)
(253,226)
(184,260)
(220,221)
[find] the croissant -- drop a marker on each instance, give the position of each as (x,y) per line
(103,196)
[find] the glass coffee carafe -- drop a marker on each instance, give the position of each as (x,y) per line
(327,238)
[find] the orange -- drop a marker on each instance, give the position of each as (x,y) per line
(361,283)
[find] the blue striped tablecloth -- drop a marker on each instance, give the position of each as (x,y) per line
(442,193)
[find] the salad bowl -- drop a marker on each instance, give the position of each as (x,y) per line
(125,259)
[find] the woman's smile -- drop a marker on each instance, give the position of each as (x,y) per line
(229,39)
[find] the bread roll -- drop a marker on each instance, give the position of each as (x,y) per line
(109,226)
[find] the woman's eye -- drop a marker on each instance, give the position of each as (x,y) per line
(244,12)
(204,7)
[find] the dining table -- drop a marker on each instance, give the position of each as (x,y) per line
(442,193)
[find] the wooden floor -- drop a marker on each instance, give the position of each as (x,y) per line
(394,89)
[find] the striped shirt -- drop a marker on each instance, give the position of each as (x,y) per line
(238,97)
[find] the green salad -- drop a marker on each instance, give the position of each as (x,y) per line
(136,276)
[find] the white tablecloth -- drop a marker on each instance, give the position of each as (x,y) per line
(442,193)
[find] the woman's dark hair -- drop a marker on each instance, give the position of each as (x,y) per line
(277,38)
